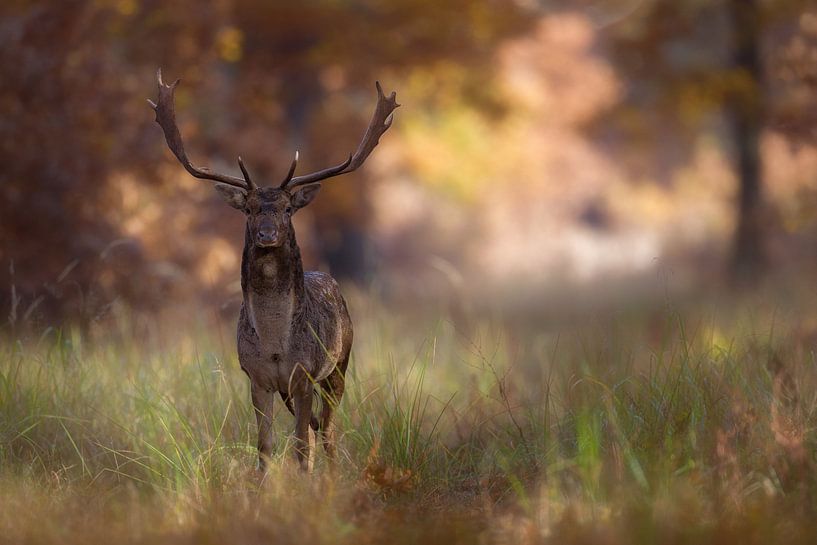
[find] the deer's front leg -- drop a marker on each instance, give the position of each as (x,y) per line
(262,400)
(302,395)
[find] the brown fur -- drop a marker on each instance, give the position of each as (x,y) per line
(294,330)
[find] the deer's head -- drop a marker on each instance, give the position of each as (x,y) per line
(269,209)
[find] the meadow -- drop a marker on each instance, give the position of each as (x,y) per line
(667,422)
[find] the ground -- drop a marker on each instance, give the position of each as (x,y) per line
(668,422)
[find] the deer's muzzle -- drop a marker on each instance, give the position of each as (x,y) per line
(267,238)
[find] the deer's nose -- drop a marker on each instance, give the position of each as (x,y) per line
(267,236)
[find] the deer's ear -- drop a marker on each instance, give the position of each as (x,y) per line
(234,196)
(305,196)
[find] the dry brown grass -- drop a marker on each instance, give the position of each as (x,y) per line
(634,427)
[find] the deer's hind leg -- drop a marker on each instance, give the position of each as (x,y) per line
(331,392)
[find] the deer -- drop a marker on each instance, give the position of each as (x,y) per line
(294,330)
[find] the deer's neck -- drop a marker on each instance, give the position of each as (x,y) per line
(272,280)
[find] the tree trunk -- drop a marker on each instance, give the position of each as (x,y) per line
(745,106)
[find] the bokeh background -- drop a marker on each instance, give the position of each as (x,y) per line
(570,151)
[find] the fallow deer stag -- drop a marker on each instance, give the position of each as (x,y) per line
(294,330)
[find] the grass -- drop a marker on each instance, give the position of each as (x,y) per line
(653,425)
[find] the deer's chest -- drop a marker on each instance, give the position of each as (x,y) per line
(270,363)
(265,337)
(271,320)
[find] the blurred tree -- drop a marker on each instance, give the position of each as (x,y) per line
(321,59)
(703,67)
(56,149)
(745,106)
(262,79)
(74,117)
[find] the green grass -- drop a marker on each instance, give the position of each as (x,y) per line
(628,426)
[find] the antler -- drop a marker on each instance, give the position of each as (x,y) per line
(380,123)
(166,118)
(290,173)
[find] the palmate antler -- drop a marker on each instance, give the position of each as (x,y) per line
(166,118)
(380,123)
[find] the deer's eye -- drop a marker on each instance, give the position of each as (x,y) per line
(288,210)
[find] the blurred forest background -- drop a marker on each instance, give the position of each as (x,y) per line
(543,147)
